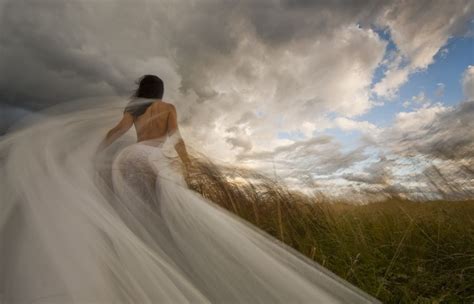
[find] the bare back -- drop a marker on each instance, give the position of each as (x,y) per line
(154,122)
(159,120)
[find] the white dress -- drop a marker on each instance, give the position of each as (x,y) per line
(126,229)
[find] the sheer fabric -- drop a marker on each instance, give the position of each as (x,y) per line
(124,227)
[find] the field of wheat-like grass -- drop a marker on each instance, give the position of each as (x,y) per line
(396,250)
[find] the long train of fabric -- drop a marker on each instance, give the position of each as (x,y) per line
(122,227)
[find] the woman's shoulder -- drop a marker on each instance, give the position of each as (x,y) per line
(164,104)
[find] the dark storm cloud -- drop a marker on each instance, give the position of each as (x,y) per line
(83,48)
(9,115)
(55,50)
(45,58)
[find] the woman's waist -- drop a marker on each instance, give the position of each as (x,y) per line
(154,142)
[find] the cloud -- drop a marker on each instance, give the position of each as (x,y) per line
(468,82)
(305,163)
(437,131)
(420,100)
(440,87)
(393,79)
(365,127)
(10,115)
(242,71)
(291,62)
(419,31)
(376,173)
(326,53)
(411,127)
(240,142)
(432,152)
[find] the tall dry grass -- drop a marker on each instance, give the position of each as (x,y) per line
(398,251)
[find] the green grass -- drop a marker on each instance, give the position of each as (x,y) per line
(398,251)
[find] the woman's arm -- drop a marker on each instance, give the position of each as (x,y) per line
(121,128)
(173,130)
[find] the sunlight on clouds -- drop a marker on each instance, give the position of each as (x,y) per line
(388,86)
(419,37)
(261,84)
(407,122)
(366,127)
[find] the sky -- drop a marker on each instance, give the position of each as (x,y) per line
(371,98)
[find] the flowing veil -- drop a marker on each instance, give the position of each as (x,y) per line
(123,227)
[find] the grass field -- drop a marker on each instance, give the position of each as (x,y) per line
(398,251)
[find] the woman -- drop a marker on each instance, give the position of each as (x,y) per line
(154,119)
(67,237)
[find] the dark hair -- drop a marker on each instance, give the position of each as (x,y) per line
(149,86)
